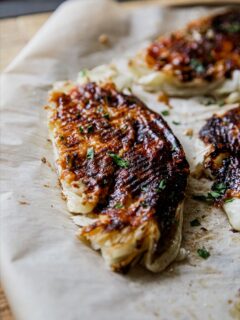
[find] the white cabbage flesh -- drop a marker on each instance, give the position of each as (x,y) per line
(232,210)
(120,248)
(154,81)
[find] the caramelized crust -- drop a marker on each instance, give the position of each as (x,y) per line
(223,133)
(125,154)
(208,49)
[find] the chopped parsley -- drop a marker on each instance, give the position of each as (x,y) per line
(83,73)
(162,185)
(203,253)
(90,153)
(231,27)
(118,205)
(90,129)
(197,65)
(144,204)
(119,161)
(218,190)
(106,116)
(195,223)
(229,200)
(221,103)
(165,113)
(207,101)
(176,123)
(144,188)
(105,182)
(81,129)
(129,89)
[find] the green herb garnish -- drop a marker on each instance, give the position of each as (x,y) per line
(165,113)
(197,65)
(162,185)
(119,161)
(195,223)
(90,153)
(106,116)
(81,129)
(207,101)
(90,129)
(203,253)
(129,89)
(105,182)
(176,123)
(83,73)
(118,205)
(218,190)
(232,27)
(229,200)
(144,204)
(221,103)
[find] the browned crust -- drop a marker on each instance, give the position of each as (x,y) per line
(223,133)
(214,56)
(151,180)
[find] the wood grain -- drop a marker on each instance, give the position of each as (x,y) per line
(15,33)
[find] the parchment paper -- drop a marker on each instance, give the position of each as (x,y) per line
(46,272)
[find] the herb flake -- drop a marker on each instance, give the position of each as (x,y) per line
(203,253)
(165,113)
(176,123)
(83,73)
(90,153)
(229,200)
(119,161)
(197,65)
(162,185)
(90,129)
(106,116)
(118,205)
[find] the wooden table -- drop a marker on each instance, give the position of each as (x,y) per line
(15,33)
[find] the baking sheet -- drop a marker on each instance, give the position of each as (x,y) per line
(45,271)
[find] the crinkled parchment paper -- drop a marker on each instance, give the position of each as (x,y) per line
(46,272)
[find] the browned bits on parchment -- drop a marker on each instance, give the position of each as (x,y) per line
(103,39)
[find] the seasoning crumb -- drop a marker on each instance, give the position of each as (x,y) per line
(46,186)
(44,160)
(23,202)
(103,39)
(188,132)
(234,231)
(63,196)
(163,97)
